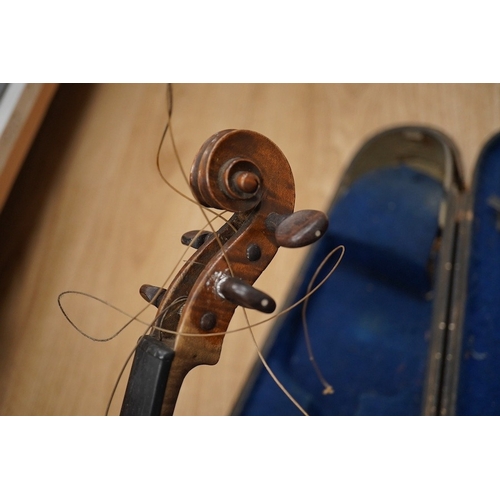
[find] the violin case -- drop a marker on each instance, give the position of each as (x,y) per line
(409,322)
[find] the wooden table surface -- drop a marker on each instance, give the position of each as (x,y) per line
(89,212)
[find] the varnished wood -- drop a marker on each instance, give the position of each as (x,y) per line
(89,212)
(200,284)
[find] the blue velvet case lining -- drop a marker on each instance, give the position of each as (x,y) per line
(479,380)
(370,323)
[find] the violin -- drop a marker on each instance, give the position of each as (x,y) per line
(245,173)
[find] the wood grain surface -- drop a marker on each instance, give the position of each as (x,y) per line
(89,212)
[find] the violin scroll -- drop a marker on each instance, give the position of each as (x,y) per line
(245,173)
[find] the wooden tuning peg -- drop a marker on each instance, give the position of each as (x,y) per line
(195,238)
(298,229)
(152,294)
(241,293)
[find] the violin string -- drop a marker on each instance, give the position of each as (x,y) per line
(272,317)
(169,128)
(203,209)
(129,357)
(249,327)
(328,388)
(120,375)
(270,371)
(132,318)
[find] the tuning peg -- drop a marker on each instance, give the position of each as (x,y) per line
(152,294)
(298,229)
(195,238)
(238,292)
